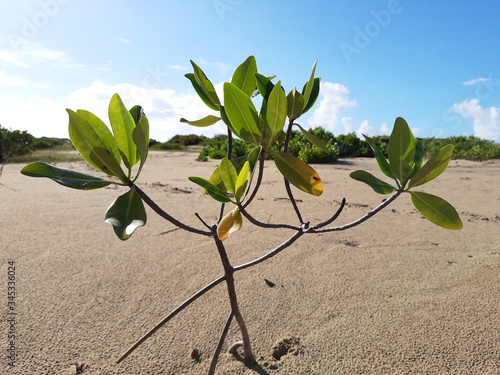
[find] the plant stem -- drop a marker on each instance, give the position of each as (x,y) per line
(287,184)
(259,180)
(215,357)
(276,250)
(166,216)
(229,277)
(362,219)
(262,224)
(173,313)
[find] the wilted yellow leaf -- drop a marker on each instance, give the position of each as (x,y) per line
(230,223)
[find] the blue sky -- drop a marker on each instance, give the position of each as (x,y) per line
(437,64)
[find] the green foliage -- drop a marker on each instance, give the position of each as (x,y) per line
(466,147)
(180,142)
(404,166)
(104,150)
(126,214)
(301,146)
(14,142)
(65,177)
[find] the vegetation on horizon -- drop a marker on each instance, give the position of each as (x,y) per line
(21,147)
(264,133)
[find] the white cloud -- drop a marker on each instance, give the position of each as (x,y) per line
(384,129)
(486,120)
(124,41)
(14,81)
(476,80)
(164,108)
(334,100)
(365,128)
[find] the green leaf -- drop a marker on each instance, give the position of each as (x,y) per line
(308,88)
(314,140)
(229,224)
(205,121)
(140,134)
(126,214)
(264,85)
(298,173)
(433,168)
(276,110)
(377,185)
(206,86)
(295,104)
(228,174)
(102,131)
(436,210)
(253,157)
(244,76)
(401,151)
(65,177)
(92,148)
(313,96)
(242,182)
(419,157)
(201,93)
(224,118)
(241,113)
(211,189)
(381,160)
(123,124)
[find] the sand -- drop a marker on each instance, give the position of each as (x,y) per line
(395,295)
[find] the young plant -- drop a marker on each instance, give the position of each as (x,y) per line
(117,154)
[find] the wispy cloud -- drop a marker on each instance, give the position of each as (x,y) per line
(222,67)
(27,54)
(476,80)
(179,68)
(124,41)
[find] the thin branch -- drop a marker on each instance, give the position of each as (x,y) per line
(166,216)
(173,313)
(221,212)
(259,180)
(362,219)
(229,144)
(332,219)
(294,203)
(287,184)
(262,224)
(215,357)
(203,221)
(303,229)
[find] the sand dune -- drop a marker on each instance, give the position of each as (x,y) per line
(395,295)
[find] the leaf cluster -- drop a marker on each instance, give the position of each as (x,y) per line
(114,153)
(405,167)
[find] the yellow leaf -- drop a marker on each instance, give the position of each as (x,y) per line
(230,223)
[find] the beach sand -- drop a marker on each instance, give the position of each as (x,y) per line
(394,295)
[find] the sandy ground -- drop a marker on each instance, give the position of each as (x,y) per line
(395,295)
